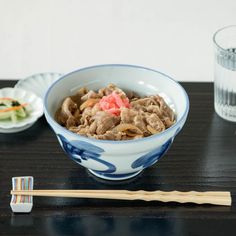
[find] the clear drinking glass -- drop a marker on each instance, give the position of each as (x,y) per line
(225,72)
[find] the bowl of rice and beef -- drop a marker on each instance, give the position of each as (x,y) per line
(116,120)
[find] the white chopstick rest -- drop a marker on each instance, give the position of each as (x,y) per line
(20,203)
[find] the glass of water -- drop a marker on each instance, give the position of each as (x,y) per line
(225,72)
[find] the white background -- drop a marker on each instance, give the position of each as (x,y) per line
(173,36)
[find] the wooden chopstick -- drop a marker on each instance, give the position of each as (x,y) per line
(210,197)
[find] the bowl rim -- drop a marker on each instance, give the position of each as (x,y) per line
(151,137)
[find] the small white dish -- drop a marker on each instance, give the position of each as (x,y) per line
(15,130)
(38,83)
(35,107)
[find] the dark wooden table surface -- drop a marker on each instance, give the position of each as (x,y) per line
(202,157)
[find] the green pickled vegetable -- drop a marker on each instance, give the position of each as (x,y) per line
(11,109)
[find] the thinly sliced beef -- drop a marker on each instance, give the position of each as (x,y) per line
(167,122)
(140,122)
(68,107)
(90,94)
(86,116)
(109,135)
(135,117)
(155,122)
(105,121)
(65,115)
(71,121)
(77,97)
(154,109)
(83,130)
(142,103)
(93,127)
(127,115)
(82,114)
(96,108)
(109,89)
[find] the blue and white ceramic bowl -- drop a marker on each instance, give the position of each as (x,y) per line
(117,160)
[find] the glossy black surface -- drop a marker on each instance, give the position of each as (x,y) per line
(202,157)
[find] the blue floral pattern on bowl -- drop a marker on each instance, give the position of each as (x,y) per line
(80,152)
(152,157)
